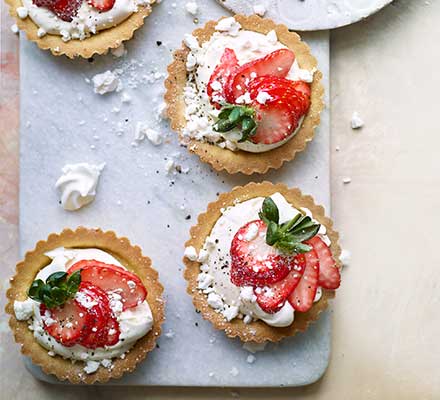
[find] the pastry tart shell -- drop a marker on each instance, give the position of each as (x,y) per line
(257,331)
(130,257)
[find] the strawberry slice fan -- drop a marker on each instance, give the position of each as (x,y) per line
(67,9)
(257,98)
(282,262)
(88,318)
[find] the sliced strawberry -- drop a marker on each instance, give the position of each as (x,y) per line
(92,263)
(67,324)
(295,94)
(277,63)
(99,313)
(303,88)
(275,122)
(113,332)
(302,297)
(253,261)
(64,9)
(111,278)
(271,298)
(221,75)
(329,274)
(102,5)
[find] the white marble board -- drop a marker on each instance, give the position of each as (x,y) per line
(310,15)
(64,121)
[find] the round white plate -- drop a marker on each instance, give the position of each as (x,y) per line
(308,15)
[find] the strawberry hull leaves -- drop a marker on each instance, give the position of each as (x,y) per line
(288,236)
(57,290)
(241,117)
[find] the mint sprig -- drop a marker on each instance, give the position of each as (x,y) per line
(234,116)
(57,290)
(288,236)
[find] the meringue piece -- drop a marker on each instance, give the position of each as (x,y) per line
(78,184)
(106,82)
(356,121)
(22,12)
(192,8)
(23,309)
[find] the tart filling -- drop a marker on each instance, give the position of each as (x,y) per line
(245,277)
(85,306)
(245,90)
(78,19)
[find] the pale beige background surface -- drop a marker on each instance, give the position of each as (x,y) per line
(386,318)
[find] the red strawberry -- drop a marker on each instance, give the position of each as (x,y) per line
(110,278)
(275,122)
(253,261)
(277,63)
(64,9)
(92,263)
(102,5)
(99,313)
(272,297)
(67,324)
(221,75)
(302,297)
(294,93)
(112,332)
(303,88)
(329,274)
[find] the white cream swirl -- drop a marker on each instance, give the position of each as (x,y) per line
(78,184)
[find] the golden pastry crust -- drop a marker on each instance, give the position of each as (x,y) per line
(99,43)
(242,161)
(257,331)
(131,257)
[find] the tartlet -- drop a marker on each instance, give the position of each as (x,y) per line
(211,265)
(78,37)
(138,323)
(202,55)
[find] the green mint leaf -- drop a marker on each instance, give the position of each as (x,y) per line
(237,117)
(269,211)
(290,235)
(272,233)
(34,290)
(73,282)
(304,234)
(56,279)
(58,288)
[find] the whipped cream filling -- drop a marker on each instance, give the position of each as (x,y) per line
(88,21)
(134,323)
(77,185)
(201,62)
(214,280)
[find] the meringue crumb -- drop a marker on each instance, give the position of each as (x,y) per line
(251,359)
(260,9)
(345,257)
(22,12)
(346,180)
(192,8)
(356,121)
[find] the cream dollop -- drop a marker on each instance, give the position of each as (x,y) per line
(78,184)
(134,323)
